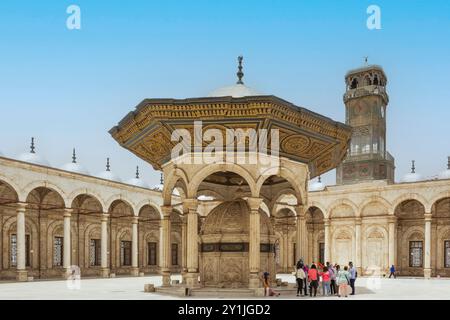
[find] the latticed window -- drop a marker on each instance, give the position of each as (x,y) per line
(174,254)
(95,252)
(322,252)
(415,253)
(58,251)
(152,253)
(13,250)
(447,254)
(125,253)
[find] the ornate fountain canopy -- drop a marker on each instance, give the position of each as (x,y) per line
(304,136)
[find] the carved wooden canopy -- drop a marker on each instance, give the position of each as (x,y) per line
(305,136)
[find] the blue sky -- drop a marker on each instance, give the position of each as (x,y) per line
(67,87)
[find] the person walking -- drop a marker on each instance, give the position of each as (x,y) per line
(313,277)
(326,280)
(392,272)
(268,291)
(301,278)
(343,279)
(306,269)
(353,275)
(332,271)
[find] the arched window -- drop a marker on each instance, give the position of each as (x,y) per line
(354,84)
(375,80)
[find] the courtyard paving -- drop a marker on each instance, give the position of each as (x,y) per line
(132,288)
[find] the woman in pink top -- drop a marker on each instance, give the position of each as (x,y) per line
(326,280)
(313,276)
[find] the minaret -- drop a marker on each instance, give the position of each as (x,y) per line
(366,101)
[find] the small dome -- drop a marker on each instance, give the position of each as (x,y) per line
(74,167)
(445,174)
(235,91)
(412,176)
(108,174)
(316,185)
(33,158)
(138,182)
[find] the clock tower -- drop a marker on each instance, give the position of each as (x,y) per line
(366,101)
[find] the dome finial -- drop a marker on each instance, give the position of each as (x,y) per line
(320,179)
(448,162)
(366,61)
(413,167)
(32,148)
(74,156)
(240,74)
(161,180)
(137,172)
(108,167)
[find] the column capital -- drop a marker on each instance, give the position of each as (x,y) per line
(300,209)
(254,203)
(358,221)
(166,211)
(326,222)
(392,219)
(68,212)
(135,220)
(190,204)
(105,216)
(428,216)
(21,207)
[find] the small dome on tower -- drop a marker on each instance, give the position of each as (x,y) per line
(137,181)
(74,166)
(160,186)
(446,173)
(108,174)
(238,90)
(412,176)
(33,157)
(316,185)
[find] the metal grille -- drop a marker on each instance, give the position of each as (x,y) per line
(174,254)
(94,252)
(13,250)
(152,253)
(415,254)
(125,253)
(58,251)
(447,254)
(322,252)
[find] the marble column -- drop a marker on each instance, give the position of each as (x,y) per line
(427,251)
(165,245)
(134,247)
(391,243)
(326,223)
(21,273)
(104,246)
(254,254)
(302,236)
(191,205)
(67,245)
(357,262)
(184,246)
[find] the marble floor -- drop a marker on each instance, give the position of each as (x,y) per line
(133,288)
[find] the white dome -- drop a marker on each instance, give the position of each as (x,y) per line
(235,91)
(316,186)
(445,174)
(75,167)
(411,177)
(138,182)
(33,158)
(108,175)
